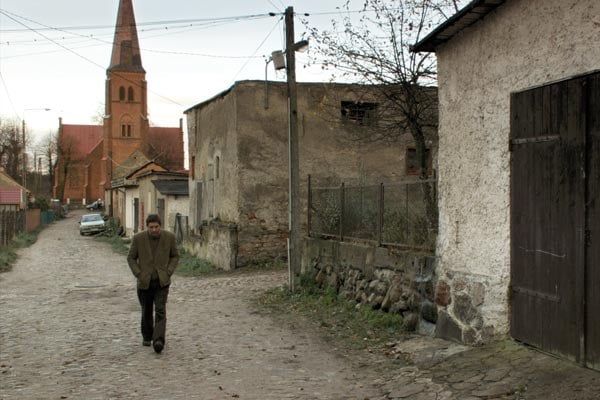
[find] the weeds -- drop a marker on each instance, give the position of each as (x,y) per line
(190,265)
(358,326)
(8,254)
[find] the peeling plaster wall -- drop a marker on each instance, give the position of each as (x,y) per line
(522,44)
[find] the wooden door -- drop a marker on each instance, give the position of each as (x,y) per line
(554,212)
(592,237)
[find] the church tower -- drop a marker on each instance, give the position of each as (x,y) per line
(126,113)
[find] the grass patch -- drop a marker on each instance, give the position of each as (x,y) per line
(8,254)
(190,265)
(341,320)
(116,242)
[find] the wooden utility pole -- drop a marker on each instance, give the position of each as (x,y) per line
(294,241)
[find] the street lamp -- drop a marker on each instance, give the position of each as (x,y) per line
(25,142)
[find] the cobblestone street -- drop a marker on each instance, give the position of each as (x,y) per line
(69,329)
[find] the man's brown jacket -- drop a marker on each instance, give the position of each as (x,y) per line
(142,262)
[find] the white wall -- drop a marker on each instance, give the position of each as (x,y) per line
(524,43)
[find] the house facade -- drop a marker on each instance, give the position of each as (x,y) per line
(91,156)
(519,200)
(238,146)
(150,190)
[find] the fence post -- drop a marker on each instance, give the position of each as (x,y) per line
(342,201)
(309,201)
(380,216)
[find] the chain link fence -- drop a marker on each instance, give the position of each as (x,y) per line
(402,214)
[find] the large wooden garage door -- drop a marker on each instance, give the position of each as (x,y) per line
(555,174)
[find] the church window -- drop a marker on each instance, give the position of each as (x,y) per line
(126,130)
(130,96)
(122,93)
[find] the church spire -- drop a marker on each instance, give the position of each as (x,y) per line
(126,48)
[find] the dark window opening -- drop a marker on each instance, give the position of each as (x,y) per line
(126,130)
(362,113)
(130,96)
(122,93)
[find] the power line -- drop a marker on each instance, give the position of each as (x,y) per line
(83,57)
(161,22)
(258,48)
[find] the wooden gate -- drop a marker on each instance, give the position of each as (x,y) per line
(555,213)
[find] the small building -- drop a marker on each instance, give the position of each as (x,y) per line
(238,147)
(150,189)
(519,171)
(13,196)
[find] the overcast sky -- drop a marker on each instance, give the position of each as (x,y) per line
(64,68)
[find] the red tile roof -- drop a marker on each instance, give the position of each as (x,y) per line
(10,196)
(168,143)
(83,138)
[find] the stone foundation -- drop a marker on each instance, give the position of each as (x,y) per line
(460,299)
(382,278)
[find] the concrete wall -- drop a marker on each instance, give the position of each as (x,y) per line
(524,43)
(216,242)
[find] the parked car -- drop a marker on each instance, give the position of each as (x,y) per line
(91,223)
(97,205)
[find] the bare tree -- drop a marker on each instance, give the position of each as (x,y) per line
(65,151)
(374,49)
(48,149)
(11,148)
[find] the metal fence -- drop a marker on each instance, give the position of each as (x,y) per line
(402,214)
(13,222)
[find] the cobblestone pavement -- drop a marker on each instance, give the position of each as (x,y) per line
(69,329)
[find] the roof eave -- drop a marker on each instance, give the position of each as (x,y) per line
(470,14)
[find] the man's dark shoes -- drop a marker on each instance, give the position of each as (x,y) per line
(147,342)
(158,345)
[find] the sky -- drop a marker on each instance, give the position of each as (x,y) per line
(54,54)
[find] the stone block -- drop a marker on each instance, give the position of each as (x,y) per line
(429,312)
(442,294)
(463,308)
(447,328)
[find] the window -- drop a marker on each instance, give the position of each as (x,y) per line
(130,94)
(362,113)
(122,93)
(217,162)
(126,130)
(413,165)
(193,167)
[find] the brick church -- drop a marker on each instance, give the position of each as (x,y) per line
(91,156)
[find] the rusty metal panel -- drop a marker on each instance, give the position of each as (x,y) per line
(592,233)
(547,215)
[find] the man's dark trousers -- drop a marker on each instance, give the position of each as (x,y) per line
(154,311)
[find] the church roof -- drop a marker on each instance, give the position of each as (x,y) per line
(80,140)
(126,54)
(168,144)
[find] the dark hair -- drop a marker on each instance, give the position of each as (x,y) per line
(153,218)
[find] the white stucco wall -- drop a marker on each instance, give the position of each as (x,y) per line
(522,44)
(175,205)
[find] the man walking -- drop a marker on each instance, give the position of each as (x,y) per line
(153,257)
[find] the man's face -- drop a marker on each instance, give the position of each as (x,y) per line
(154,229)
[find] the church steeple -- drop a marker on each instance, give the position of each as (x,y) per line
(126,54)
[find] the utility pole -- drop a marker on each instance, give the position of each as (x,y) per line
(24,155)
(294,241)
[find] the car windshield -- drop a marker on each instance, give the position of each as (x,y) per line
(91,217)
